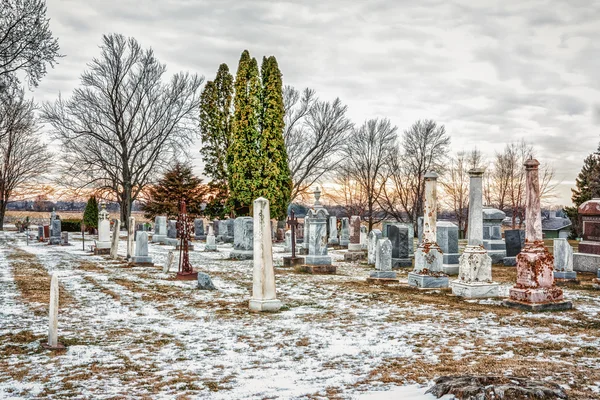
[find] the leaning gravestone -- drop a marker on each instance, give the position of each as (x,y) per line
(204,282)
(515,241)
(399,238)
(243,239)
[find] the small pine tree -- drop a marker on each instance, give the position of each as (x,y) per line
(587,187)
(176,184)
(90,214)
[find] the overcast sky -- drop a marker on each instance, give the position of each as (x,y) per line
(491,72)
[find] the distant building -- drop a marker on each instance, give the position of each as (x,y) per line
(555,227)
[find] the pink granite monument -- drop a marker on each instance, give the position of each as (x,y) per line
(535,289)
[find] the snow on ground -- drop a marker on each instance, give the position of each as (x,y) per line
(136,332)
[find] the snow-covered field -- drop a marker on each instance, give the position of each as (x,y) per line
(138,333)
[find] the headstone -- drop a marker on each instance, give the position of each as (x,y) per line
(171,239)
(475,265)
(40,233)
(64,239)
(243,241)
(226,231)
(492,234)
(52,218)
(288,242)
(317,260)
(305,235)
(354,244)
(290,245)
(515,241)
(53,343)
(383,261)
(399,239)
(55,232)
(160,229)
(447,239)
(411,233)
(345,232)
(114,246)
(130,238)
(333,232)
(428,271)
(563,260)
(169,262)
(211,242)
(264,296)
(535,288)
(587,258)
(374,236)
(204,282)
(280,234)
(103,243)
(141,258)
(46,231)
(363,238)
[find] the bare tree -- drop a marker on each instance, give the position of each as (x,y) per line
(24,158)
(26,42)
(455,183)
(348,193)
(315,132)
(365,154)
(424,148)
(124,126)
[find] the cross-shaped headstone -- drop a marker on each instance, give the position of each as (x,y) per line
(293,223)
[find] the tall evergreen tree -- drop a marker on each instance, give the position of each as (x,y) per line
(215,128)
(276,181)
(90,214)
(243,153)
(587,187)
(176,184)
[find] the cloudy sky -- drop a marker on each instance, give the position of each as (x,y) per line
(491,71)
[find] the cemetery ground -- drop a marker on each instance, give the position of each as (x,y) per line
(138,333)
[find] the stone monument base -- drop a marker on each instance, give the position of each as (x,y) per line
(509,261)
(190,276)
(354,247)
(210,247)
(451,258)
(475,289)
(536,295)
(293,261)
(387,275)
(242,255)
(317,260)
(355,255)
(398,263)
(429,257)
(494,244)
(584,262)
(550,306)
(565,275)
(427,281)
(317,269)
(59,346)
(159,239)
(265,305)
(450,269)
(54,241)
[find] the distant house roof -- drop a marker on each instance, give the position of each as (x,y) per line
(555,224)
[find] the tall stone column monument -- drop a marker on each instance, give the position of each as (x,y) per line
(428,257)
(475,265)
(264,296)
(535,288)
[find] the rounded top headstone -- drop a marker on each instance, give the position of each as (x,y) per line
(590,207)
(431,175)
(531,163)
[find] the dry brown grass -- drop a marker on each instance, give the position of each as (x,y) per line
(102,289)
(89,266)
(33,281)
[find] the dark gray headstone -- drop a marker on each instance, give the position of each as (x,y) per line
(515,240)
(204,282)
(199,228)
(40,232)
(399,238)
(172,229)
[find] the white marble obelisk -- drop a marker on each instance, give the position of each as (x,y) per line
(428,271)
(130,238)
(53,315)
(264,297)
(475,265)
(114,248)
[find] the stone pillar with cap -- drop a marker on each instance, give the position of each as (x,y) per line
(535,289)
(428,272)
(475,265)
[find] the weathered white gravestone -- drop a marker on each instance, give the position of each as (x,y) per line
(345,232)
(383,262)
(475,265)
(374,236)
(53,316)
(264,296)
(428,257)
(114,248)
(160,229)
(141,258)
(333,231)
(103,243)
(563,260)
(169,262)
(363,238)
(288,241)
(211,242)
(243,241)
(318,261)
(130,237)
